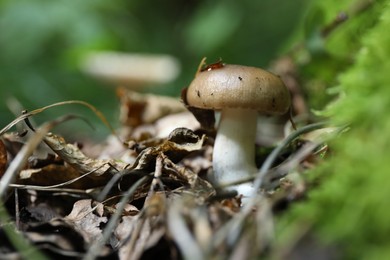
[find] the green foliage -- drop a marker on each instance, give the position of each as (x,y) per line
(350,208)
(331,33)
(42,42)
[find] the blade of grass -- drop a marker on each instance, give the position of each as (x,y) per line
(69,102)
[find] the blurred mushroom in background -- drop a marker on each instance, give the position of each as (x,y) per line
(131,70)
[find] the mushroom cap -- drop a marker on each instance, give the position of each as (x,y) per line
(237,86)
(132,70)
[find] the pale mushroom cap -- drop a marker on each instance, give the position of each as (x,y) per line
(236,86)
(131,69)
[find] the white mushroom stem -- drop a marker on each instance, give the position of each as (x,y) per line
(234,149)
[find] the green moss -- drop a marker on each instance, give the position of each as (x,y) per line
(331,46)
(350,208)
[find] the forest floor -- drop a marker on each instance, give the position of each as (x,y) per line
(145,191)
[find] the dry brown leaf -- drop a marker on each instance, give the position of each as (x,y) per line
(76,158)
(55,174)
(85,221)
(20,160)
(143,231)
(137,109)
(143,235)
(124,228)
(13,143)
(179,144)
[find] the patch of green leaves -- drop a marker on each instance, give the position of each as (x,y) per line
(350,208)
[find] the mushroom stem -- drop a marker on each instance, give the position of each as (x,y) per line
(234,149)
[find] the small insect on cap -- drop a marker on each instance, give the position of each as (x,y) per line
(237,86)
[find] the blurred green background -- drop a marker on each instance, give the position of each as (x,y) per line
(42,43)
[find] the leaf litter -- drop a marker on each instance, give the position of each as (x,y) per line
(146,196)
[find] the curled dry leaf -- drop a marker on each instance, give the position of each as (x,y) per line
(180,143)
(76,158)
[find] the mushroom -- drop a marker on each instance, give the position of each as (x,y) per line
(132,70)
(239,92)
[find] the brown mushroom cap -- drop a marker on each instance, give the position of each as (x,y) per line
(236,86)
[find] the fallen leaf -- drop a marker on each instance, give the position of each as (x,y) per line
(74,156)
(142,236)
(85,221)
(137,109)
(180,143)
(54,174)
